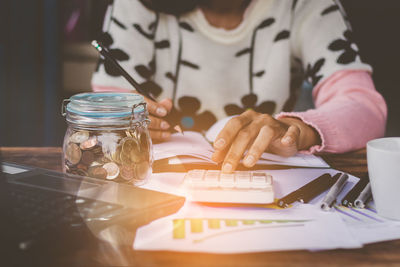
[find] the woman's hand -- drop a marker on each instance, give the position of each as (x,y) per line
(159,128)
(259,133)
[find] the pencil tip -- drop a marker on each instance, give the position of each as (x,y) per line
(178,129)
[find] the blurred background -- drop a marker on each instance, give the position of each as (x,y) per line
(46,56)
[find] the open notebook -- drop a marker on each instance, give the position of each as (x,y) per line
(193,147)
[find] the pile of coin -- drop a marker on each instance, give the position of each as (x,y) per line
(121,155)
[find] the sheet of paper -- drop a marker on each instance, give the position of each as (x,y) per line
(193,144)
(197,228)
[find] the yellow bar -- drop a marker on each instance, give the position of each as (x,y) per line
(179,229)
(248,222)
(231,222)
(196,225)
(214,223)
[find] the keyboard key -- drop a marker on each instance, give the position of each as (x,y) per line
(243,179)
(227,180)
(211,179)
(259,180)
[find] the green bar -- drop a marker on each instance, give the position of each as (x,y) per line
(196,225)
(179,228)
(231,222)
(248,222)
(214,223)
(266,221)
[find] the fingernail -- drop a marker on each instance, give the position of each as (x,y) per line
(227,167)
(287,140)
(165,135)
(161,111)
(249,161)
(164,125)
(219,143)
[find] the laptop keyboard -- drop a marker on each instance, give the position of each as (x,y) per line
(38,210)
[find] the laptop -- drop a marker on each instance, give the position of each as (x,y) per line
(49,218)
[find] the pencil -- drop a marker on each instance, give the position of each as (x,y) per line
(104,52)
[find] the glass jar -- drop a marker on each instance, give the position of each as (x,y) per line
(107,137)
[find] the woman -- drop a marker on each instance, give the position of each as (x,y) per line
(215,58)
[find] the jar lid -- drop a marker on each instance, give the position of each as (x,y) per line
(104,108)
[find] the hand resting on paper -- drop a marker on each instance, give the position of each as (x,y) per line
(258,133)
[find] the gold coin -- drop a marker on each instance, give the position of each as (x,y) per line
(73,153)
(129,144)
(142,170)
(89,143)
(116,156)
(127,172)
(112,170)
(125,159)
(97,172)
(79,137)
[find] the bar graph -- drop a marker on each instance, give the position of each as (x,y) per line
(202,229)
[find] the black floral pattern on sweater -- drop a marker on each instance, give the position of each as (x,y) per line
(188,116)
(350,50)
(312,71)
(249,102)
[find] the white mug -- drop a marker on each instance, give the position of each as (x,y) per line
(383,156)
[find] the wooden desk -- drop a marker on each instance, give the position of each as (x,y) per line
(378,254)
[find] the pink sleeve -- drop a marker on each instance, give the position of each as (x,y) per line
(349,112)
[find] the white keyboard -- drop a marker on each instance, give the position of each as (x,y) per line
(253,187)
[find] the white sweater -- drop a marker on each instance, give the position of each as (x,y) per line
(211,73)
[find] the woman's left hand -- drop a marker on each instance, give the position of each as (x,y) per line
(258,133)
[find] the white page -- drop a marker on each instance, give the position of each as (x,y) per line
(197,228)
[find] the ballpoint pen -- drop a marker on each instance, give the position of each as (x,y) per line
(364,197)
(297,194)
(104,52)
(330,198)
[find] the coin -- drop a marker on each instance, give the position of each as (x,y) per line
(87,158)
(79,137)
(97,172)
(81,172)
(127,172)
(82,166)
(89,143)
(142,170)
(116,156)
(73,153)
(130,151)
(112,170)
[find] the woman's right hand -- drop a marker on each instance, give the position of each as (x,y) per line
(159,128)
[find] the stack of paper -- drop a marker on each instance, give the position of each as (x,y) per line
(234,230)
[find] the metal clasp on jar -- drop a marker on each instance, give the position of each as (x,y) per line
(139,122)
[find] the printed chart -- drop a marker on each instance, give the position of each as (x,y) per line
(202,230)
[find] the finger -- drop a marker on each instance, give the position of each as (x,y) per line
(260,144)
(291,136)
(156,108)
(237,149)
(158,124)
(219,155)
(167,104)
(160,135)
(233,126)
